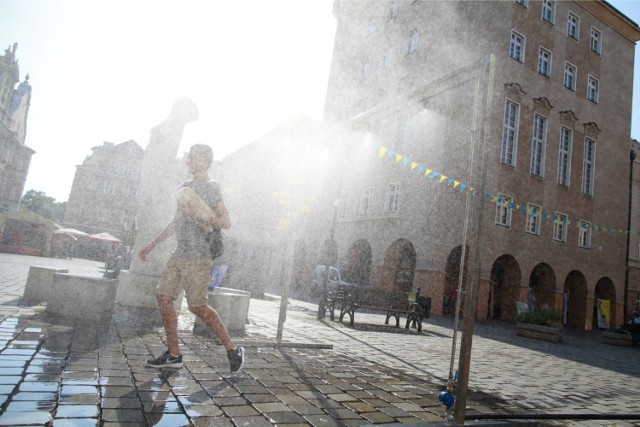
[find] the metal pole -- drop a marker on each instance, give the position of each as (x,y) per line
(286,285)
(632,158)
(464,359)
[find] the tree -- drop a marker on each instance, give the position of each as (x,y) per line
(40,203)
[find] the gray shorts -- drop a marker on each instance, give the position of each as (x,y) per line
(192,275)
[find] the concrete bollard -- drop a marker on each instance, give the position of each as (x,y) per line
(89,298)
(233,307)
(39,283)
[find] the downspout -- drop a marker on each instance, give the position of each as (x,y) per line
(632,158)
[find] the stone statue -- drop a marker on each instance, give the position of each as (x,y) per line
(158,179)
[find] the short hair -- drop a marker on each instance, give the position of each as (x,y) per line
(203,150)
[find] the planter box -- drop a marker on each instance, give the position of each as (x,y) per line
(545,333)
(616,338)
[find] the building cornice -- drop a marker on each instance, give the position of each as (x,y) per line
(612,17)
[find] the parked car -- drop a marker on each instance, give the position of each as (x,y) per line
(333,277)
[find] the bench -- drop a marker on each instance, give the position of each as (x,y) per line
(88,298)
(39,283)
(392,304)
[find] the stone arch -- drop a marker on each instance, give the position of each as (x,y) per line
(604,291)
(399,266)
(575,300)
(329,253)
(542,286)
(451,277)
(506,278)
(358,266)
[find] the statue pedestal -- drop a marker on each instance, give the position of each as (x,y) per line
(139,290)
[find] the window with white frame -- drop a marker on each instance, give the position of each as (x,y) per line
(132,192)
(560,227)
(364,70)
(386,59)
(588,166)
(564,156)
(504,210)
(534,213)
(393,9)
(523,3)
(510,133)
(412,45)
(570,73)
(344,205)
(573,26)
(544,62)
(593,89)
(596,40)
(516,46)
(372,25)
(584,234)
(538,145)
(393,198)
(367,201)
(109,187)
(549,11)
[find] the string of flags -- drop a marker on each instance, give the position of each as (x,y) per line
(430,173)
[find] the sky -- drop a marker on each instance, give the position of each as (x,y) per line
(109,70)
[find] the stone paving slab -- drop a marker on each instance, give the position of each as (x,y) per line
(57,371)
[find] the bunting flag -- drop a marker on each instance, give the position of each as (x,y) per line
(531,212)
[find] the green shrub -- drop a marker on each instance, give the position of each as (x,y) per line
(542,317)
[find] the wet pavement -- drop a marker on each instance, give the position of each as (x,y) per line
(64,372)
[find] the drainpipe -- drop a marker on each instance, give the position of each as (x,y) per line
(632,158)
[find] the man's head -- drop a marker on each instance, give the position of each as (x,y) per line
(202,150)
(199,158)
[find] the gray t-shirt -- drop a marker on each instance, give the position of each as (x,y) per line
(191,237)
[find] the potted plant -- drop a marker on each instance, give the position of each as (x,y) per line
(541,324)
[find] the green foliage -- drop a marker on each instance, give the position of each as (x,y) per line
(542,317)
(40,203)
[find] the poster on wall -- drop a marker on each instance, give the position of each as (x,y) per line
(604,313)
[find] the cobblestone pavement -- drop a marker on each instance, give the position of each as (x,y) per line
(64,372)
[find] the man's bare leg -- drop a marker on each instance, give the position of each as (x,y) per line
(211,318)
(170,323)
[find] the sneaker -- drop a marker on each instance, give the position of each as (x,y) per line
(166,361)
(236,358)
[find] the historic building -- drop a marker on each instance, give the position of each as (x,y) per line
(269,187)
(15,156)
(104,192)
(494,133)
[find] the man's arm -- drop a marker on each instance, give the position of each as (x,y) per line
(164,234)
(222,219)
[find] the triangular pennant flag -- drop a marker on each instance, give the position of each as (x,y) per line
(398,158)
(413,165)
(382,151)
(405,162)
(420,169)
(428,172)
(434,175)
(462,187)
(455,184)
(442,178)
(449,181)
(494,199)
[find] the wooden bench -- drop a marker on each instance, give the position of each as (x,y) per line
(392,304)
